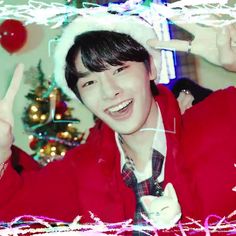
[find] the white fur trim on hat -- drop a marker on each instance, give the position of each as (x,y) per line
(138,29)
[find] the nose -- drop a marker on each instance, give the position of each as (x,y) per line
(109,87)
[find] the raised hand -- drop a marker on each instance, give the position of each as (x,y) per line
(226,44)
(216,45)
(185,100)
(6,114)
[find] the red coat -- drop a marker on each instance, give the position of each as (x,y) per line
(21,161)
(201,152)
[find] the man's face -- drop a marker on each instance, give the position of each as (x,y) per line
(120,96)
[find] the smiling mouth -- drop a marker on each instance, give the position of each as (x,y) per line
(120,107)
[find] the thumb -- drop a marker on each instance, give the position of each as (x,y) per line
(173,45)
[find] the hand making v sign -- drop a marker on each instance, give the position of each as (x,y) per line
(6,114)
(215,44)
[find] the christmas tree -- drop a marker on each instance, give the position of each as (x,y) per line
(47,119)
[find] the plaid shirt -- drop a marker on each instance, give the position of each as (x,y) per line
(147,187)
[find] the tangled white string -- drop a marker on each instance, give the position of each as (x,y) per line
(207,12)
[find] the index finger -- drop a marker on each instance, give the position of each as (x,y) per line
(15,84)
(173,44)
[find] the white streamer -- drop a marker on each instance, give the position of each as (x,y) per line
(54,14)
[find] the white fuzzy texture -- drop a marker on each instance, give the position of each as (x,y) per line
(131,25)
(164,211)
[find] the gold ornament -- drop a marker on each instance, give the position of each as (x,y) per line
(70,128)
(64,135)
(34,117)
(61,150)
(34,112)
(58,116)
(34,107)
(51,152)
(47,149)
(43,117)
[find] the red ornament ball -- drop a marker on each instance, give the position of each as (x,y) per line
(61,107)
(33,144)
(13,35)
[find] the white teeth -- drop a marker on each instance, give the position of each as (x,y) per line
(120,106)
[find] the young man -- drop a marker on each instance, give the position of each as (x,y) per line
(140,143)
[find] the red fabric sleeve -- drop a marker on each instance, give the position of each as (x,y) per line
(209,154)
(51,192)
(23,160)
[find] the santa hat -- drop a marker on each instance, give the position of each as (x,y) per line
(99,19)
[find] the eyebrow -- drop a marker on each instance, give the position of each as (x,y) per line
(82,74)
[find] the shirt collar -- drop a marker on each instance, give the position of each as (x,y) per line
(159,141)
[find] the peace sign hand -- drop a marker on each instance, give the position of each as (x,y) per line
(217,46)
(6,114)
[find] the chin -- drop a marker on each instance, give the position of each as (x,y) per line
(128,130)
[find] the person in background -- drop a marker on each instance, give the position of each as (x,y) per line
(188,93)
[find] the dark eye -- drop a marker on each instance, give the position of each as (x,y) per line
(118,70)
(88,83)
(162,209)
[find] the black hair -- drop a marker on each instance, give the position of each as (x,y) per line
(199,93)
(101,49)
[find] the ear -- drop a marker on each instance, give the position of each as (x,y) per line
(147,201)
(153,69)
(170,192)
